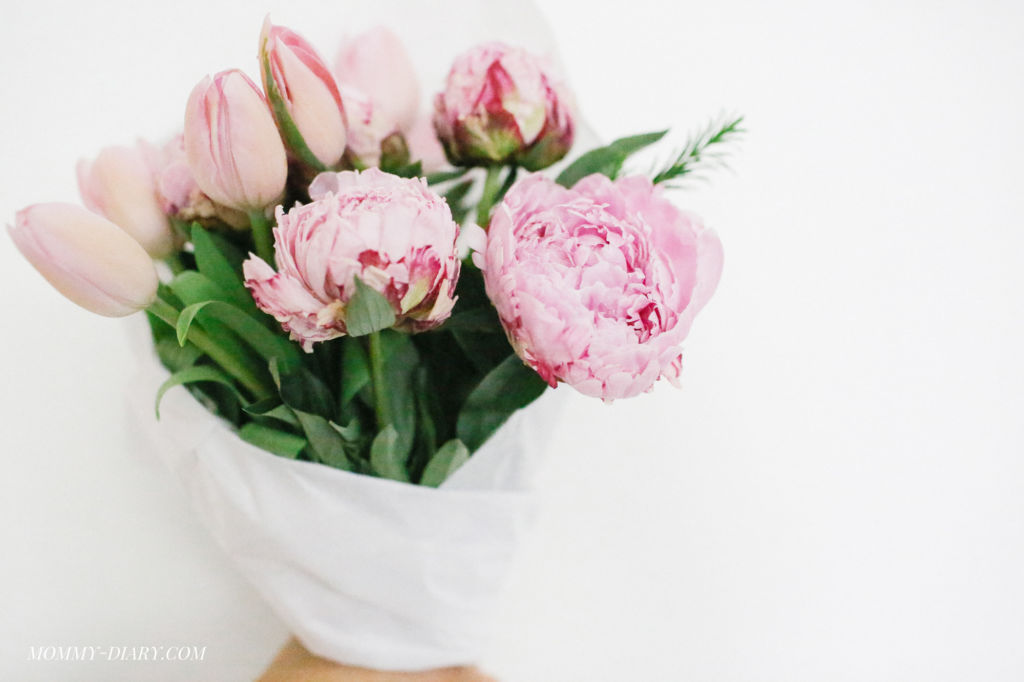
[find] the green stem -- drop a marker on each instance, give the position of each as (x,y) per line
(228,362)
(491,187)
(380,397)
(262,236)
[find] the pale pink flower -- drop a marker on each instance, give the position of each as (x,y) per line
(179,194)
(377,63)
(368,127)
(86,257)
(502,104)
(303,96)
(119,184)
(394,233)
(424,145)
(232,145)
(597,285)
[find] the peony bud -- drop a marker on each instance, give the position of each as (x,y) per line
(394,233)
(377,63)
(232,145)
(499,106)
(598,285)
(303,97)
(368,128)
(180,196)
(86,257)
(119,184)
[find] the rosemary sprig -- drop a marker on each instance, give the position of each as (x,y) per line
(701,147)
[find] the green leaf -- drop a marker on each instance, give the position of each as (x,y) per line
(216,266)
(443,464)
(386,456)
(194,375)
(400,363)
(303,391)
(277,442)
(273,409)
(327,444)
(606,160)
(482,319)
(265,342)
(701,148)
(634,143)
(508,387)
(367,311)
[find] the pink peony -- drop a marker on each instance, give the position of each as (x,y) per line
(368,127)
(597,285)
(499,105)
(394,233)
(178,193)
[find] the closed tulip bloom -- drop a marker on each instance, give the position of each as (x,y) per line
(86,257)
(500,104)
(303,97)
(377,63)
(232,145)
(120,185)
(394,233)
(597,285)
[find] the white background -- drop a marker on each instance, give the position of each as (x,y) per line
(837,492)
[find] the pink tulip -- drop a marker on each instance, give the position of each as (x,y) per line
(232,145)
(394,233)
(86,257)
(377,64)
(501,105)
(119,184)
(597,285)
(303,96)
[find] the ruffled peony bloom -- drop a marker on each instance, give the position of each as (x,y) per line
(501,105)
(597,285)
(377,63)
(86,257)
(393,233)
(232,144)
(119,184)
(303,96)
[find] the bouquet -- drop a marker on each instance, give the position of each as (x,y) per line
(361,299)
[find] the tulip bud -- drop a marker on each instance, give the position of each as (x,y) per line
(86,257)
(232,145)
(303,97)
(119,185)
(377,63)
(501,106)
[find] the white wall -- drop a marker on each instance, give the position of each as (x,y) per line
(835,494)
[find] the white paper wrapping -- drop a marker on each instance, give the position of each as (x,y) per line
(363,570)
